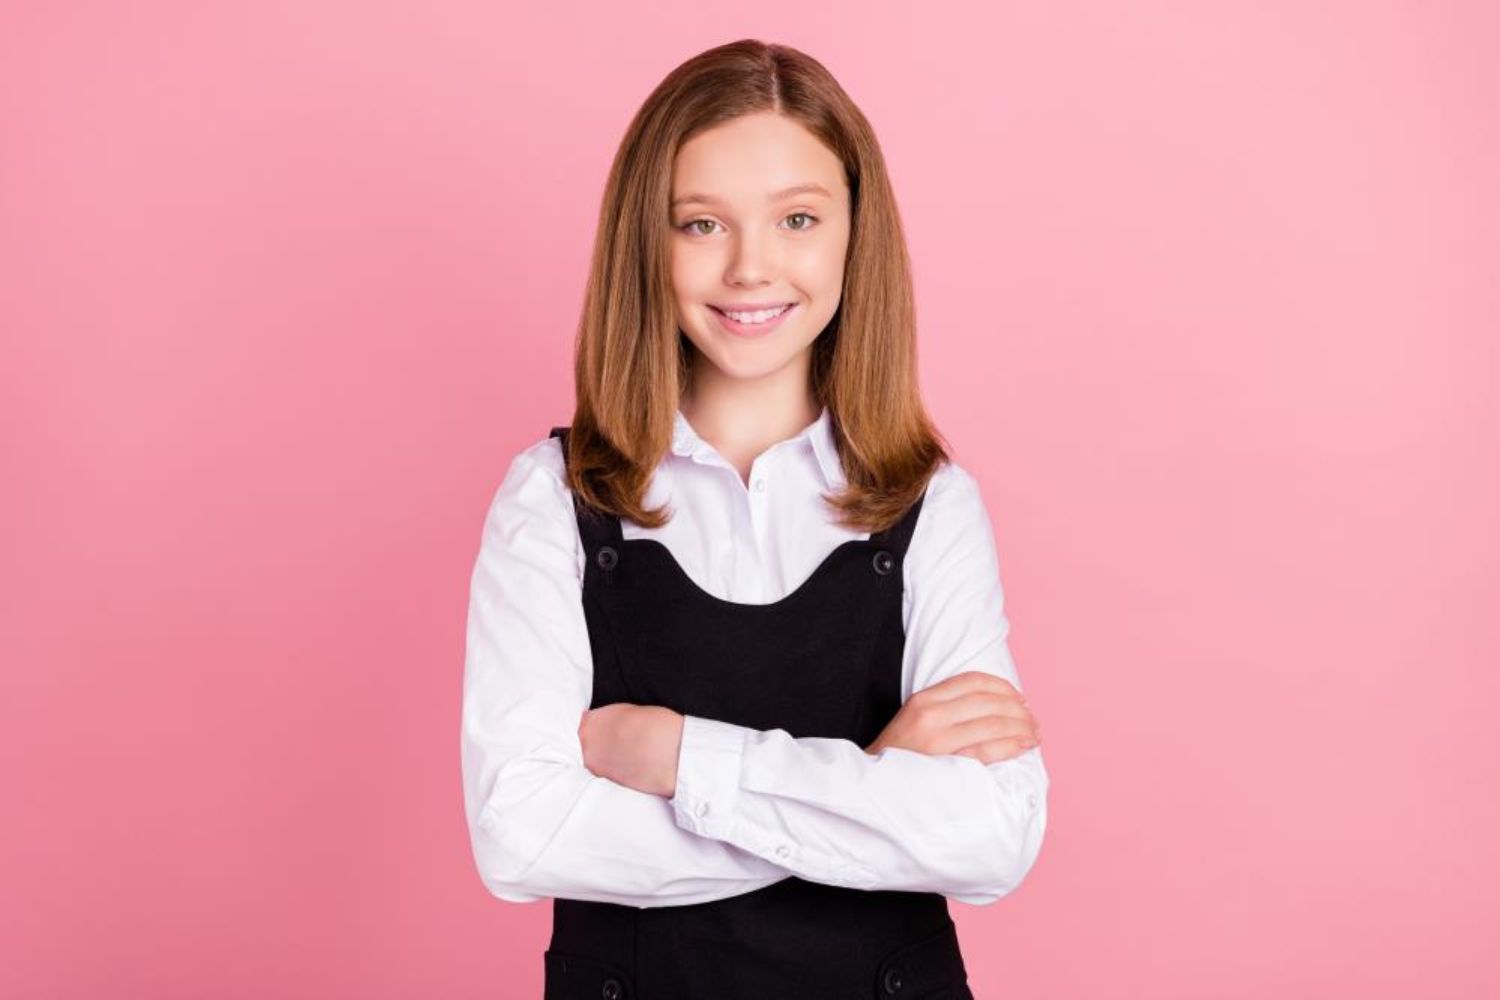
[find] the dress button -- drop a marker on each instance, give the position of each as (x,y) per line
(892,981)
(613,990)
(884,562)
(607,558)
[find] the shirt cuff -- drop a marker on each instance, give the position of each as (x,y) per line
(708,776)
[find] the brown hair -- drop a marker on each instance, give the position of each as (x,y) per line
(633,363)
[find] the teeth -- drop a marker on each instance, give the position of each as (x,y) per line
(756,317)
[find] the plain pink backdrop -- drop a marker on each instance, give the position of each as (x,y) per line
(1208,303)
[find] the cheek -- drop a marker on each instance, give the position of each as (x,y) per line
(821,267)
(692,275)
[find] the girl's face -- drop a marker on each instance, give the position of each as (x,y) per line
(760,219)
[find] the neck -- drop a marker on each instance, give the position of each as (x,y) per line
(742,417)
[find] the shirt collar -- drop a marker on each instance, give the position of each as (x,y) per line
(817,435)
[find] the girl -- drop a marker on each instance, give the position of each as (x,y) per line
(737,692)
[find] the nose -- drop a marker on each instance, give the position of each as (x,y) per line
(752,261)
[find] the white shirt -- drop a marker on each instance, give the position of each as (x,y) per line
(751,807)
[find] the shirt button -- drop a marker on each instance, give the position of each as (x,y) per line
(703,809)
(760,486)
(782,850)
(1031,800)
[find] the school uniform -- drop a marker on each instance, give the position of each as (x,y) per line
(789,862)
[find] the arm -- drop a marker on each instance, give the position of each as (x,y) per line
(898,819)
(540,823)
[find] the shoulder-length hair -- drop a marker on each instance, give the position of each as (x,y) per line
(632,363)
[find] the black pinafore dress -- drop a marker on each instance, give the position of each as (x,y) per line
(825,660)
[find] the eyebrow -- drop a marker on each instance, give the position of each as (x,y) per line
(704,199)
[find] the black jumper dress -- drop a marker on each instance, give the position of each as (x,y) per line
(825,660)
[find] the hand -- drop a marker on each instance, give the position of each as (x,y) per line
(972,714)
(633,745)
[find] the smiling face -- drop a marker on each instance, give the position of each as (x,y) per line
(760,220)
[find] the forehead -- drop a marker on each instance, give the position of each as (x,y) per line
(752,159)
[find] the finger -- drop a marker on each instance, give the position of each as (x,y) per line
(967,682)
(990,751)
(991,727)
(979,703)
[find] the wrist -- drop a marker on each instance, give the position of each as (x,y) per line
(671,751)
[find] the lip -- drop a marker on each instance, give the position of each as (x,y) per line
(753,329)
(746,307)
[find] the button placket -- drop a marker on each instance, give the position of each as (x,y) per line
(756,488)
(756,494)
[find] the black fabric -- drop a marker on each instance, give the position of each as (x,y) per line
(825,660)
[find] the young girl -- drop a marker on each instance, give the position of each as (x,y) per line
(737,692)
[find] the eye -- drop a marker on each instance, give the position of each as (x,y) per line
(687,227)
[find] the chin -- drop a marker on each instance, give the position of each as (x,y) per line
(749,368)
(748,371)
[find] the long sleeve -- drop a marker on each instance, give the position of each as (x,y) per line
(540,823)
(899,819)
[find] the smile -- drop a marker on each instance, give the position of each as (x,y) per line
(761,321)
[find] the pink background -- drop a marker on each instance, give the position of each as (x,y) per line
(1208,297)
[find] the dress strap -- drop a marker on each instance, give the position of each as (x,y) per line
(595,527)
(898,536)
